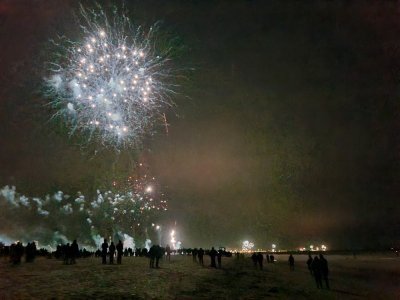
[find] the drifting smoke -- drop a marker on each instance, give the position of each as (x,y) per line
(61,218)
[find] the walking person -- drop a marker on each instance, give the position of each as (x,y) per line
(324,270)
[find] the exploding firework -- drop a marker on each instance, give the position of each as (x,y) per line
(114,83)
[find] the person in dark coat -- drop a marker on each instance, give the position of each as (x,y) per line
(200,255)
(324,270)
(67,254)
(213,253)
(159,254)
(309,263)
(74,252)
(254,259)
(260,260)
(194,254)
(272,258)
(168,250)
(112,252)
(219,258)
(291,262)
(120,251)
(152,255)
(316,268)
(104,250)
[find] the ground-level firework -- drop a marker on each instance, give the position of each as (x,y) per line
(60,218)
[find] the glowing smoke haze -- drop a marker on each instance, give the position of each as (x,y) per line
(61,218)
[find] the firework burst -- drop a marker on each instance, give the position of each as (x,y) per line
(114,83)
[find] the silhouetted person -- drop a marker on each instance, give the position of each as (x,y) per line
(254,259)
(309,263)
(152,255)
(200,255)
(159,252)
(67,253)
(213,253)
(74,252)
(194,254)
(111,249)
(120,251)
(30,252)
(291,262)
(168,250)
(104,249)
(16,252)
(260,260)
(272,258)
(324,269)
(267,258)
(219,258)
(316,268)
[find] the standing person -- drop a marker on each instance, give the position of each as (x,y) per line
(213,254)
(316,268)
(120,250)
(200,255)
(152,255)
(324,270)
(159,254)
(104,249)
(194,254)
(260,260)
(267,257)
(74,252)
(67,253)
(291,262)
(219,258)
(254,259)
(168,250)
(112,252)
(309,263)
(272,258)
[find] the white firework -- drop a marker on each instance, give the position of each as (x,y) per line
(113,83)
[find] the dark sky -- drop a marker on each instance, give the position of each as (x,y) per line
(286,132)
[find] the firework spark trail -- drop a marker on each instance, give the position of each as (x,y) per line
(113,84)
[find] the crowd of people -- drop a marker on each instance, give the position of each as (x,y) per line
(68,253)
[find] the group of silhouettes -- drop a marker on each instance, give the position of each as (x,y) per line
(318,268)
(110,251)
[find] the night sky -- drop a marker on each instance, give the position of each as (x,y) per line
(287,130)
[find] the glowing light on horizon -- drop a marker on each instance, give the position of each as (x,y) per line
(247,246)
